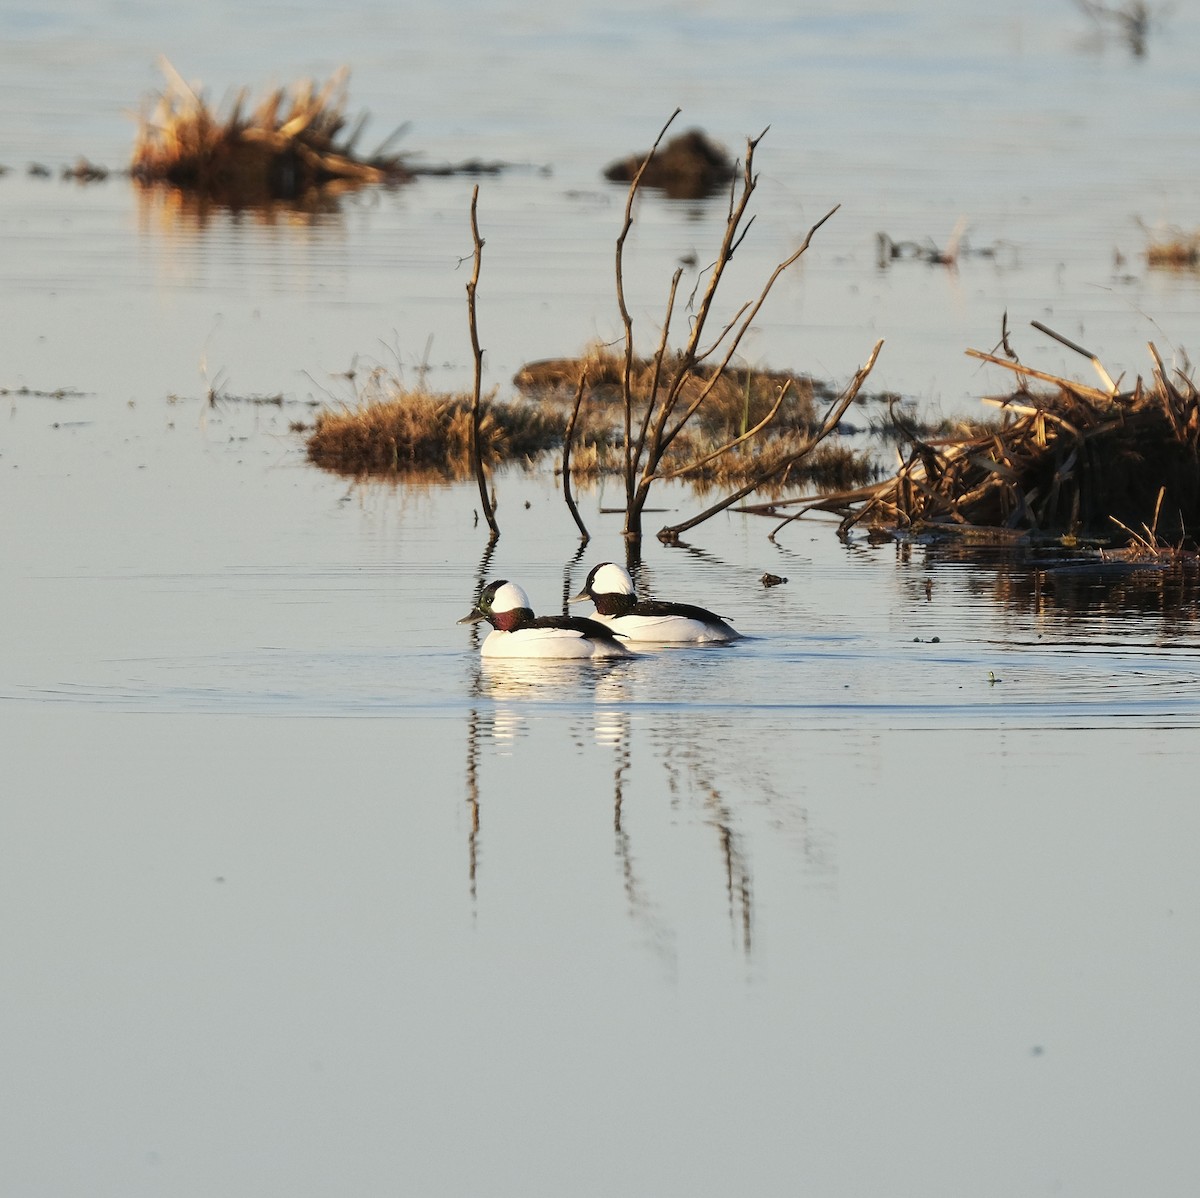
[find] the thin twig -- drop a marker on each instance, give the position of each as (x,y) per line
(568,441)
(836,411)
(716,453)
(626,319)
(489,511)
(1105,378)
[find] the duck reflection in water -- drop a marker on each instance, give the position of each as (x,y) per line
(592,707)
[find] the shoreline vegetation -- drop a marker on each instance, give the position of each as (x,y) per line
(1062,464)
(1063,461)
(390,430)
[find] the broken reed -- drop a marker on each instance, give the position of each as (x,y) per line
(292,142)
(1066,461)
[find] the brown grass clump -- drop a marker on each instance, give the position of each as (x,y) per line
(827,467)
(777,458)
(740,398)
(1067,461)
(416,430)
(284,148)
(1181,252)
(738,401)
(389,429)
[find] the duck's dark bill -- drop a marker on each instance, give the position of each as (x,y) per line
(472,617)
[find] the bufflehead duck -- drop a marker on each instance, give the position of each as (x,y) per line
(610,588)
(517,632)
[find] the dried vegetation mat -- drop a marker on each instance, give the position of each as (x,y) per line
(392,430)
(389,429)
(747,423)
(293,142)
(1067,461)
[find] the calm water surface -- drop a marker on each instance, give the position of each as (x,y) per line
(896,896)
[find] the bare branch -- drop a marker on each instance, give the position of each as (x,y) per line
(489,510)
(568,441)
(626,319)
(751,310)
(660,355)
(836,411)
(746,436)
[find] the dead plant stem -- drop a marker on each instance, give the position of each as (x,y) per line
(476,395)
(836,411)
(568,442)
(626,318)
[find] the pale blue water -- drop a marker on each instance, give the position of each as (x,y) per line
(895,896)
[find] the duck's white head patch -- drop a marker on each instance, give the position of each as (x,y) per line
(509,597)
(610,579)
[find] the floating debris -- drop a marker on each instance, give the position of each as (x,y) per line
(957,248)
(1120,466)
(1178,251)
(57,393)
(688,167)
(85,172)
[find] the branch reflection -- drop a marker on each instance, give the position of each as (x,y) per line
(680,761)
(541,730)
(551,725)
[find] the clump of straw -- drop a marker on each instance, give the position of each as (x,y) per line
(1068,460)
(1179,252)
(291,143)
(391,431)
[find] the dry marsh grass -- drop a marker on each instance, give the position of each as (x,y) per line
(292,142)
(402,431)
(739,399)
(1067,461)
(389,429)
(827,467)
(1180,252)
